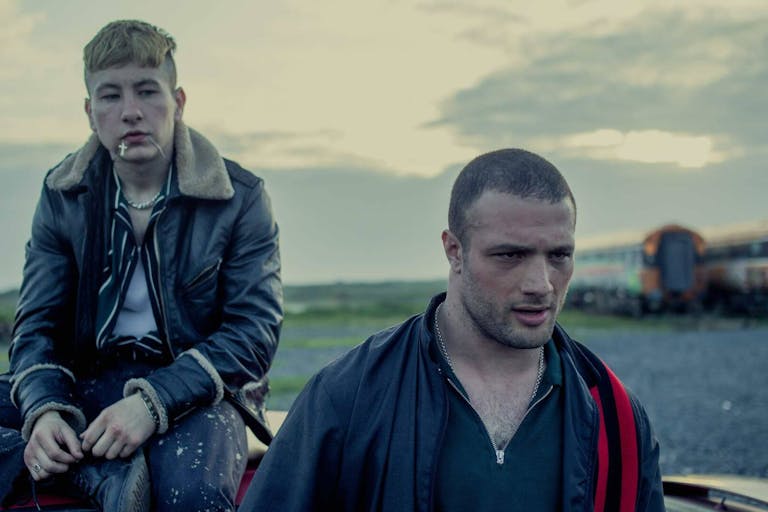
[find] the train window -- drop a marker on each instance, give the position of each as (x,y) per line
(759,248)
(717,253)
(741,251)
(649,259)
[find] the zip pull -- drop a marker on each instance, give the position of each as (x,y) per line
(499,457)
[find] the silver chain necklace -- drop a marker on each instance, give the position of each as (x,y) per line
(444,351)
(144,204)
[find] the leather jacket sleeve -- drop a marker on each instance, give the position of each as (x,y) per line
(42,377)
(241,349)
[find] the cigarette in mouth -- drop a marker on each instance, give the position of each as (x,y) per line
(154,143)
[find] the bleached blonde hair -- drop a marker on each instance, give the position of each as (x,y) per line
(130,41)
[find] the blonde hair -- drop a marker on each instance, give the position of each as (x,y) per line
(130,41)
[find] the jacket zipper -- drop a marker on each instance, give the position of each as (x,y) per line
(162,287)
(498,452)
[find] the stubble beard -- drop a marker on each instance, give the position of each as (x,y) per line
(496,322)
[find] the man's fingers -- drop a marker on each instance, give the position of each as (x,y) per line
(67,437)
(48,465)
(127,451)
(92,434)
(43,443)
(33,465)
(46,452)
(104,443)
(54,451)
(115,450)
(37,472)
(119,429)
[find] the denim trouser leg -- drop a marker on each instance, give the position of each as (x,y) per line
(11,459)
(198,463)
(11,443)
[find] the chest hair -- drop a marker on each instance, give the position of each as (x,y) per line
(500,407)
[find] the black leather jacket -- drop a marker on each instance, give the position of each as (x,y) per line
(217,244)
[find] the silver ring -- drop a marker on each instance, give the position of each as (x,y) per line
(36,467)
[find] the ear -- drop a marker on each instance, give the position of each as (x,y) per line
(180,97)
(453,251)
(88,112)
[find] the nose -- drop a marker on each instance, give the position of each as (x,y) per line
(536,279)
(131,109)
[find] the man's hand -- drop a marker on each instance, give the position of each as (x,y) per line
(52,446)
(119,429)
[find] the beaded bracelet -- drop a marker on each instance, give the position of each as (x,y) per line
(150,408)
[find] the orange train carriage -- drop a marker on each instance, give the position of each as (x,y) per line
(635,273)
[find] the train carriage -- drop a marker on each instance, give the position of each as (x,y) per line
(737,268)
(635,273)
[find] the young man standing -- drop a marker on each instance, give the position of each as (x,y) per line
(151,302)
(482,403)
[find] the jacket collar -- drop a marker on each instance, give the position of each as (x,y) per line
(201,170)
(575,351)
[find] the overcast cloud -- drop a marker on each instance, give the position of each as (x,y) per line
(665,71)
(359,115)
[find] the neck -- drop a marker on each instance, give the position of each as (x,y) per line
(139,180)
(472,350)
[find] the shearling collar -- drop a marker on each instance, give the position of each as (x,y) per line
(201,170)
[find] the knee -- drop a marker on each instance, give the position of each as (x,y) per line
(190,481)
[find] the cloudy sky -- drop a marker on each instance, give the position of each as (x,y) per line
(360,113)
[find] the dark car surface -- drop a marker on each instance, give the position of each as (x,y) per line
(715,492)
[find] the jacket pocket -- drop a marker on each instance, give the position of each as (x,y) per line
(200,299)
(202,279)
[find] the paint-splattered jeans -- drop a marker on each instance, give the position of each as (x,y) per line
(198,463)
(11,443)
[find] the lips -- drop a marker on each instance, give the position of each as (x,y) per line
(134,137)
(531,317)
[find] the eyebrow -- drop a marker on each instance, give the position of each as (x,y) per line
(528,249)
(140,83)
(146,81)
(509,247)
(106,85)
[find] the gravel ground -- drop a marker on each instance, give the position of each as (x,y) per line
(706,392)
